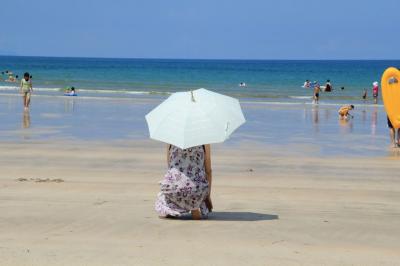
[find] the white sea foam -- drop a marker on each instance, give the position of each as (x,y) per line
(89,91)
(300,97)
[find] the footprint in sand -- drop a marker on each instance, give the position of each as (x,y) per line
(40,180)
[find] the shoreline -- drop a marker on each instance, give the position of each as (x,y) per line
(315,128)
(136,96)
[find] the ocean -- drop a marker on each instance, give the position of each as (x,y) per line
(266,80)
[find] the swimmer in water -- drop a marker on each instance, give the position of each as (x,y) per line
(344,111)
(328,86)
(72,91)
(307,84)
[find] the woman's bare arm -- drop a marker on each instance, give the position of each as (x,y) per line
(207,164)
(168,148)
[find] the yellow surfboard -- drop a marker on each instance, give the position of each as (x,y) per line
(391,94)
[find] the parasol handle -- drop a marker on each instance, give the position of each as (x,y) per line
(193,100)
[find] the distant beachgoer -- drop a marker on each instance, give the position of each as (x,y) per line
(328,86)
(307,84)
(26,90)
(187,184)
(242,84)
(344,111)
(375,90)
(11,78)
(364,96)
(342,88)
(395,141)
(317,90)
(72,91)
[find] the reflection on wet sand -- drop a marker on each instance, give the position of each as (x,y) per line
(69,105)
(26,120)
(315,118)
(364,116)
(327,114)
(346,125)
(374,121)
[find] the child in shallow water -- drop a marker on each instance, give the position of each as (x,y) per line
(344,111)
(26,90)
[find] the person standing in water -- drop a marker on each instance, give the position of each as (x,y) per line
(26,90)
(317,90)
(364,96)
(375,90)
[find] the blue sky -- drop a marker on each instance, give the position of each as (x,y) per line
(252,29)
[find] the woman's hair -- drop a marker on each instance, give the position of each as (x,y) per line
(26,75)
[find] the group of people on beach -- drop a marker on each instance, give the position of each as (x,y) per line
(344,114)
(318,88)
(10,76)
(26,88)
(329,88)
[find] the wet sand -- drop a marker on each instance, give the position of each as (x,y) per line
(273,206)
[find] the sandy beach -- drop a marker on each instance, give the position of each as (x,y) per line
(94,206)
(79,178)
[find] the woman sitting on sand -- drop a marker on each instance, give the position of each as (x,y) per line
(187,184)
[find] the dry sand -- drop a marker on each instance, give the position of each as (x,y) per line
(87,203)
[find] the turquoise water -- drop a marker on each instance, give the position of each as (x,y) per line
(266,80)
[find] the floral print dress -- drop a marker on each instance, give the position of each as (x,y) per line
(184,187)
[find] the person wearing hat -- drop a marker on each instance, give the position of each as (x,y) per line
(375,90)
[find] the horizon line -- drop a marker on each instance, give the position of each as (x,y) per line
(205,59)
